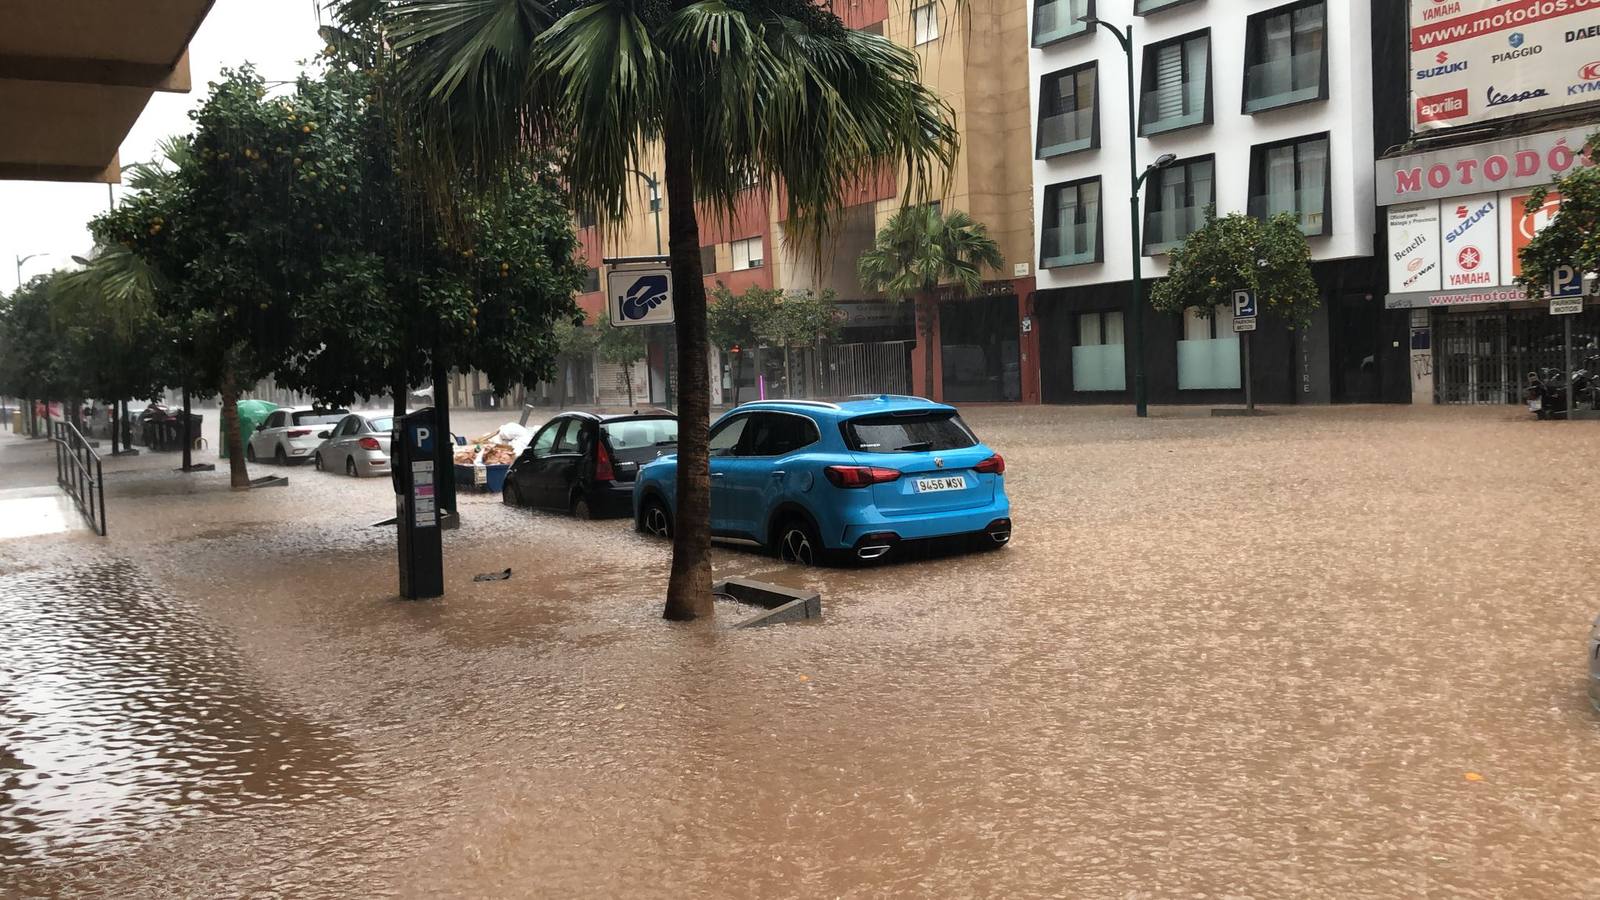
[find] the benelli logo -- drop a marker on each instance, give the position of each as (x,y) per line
(1450,105)
(1413,279)
(1444,67)
(1414,265)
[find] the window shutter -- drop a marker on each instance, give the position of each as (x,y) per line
(1169,81)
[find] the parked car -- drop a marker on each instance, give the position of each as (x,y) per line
(1594,663)
(291,434)
(585,464)
(358,445)
(867,478)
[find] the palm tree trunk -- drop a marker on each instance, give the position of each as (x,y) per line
(238,475)
(399,391)
(928,309)
(689,588)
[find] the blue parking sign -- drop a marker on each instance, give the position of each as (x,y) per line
(1566,281)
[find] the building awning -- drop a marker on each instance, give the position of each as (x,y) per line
(76,74)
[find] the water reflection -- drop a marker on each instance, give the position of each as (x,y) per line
(119,708)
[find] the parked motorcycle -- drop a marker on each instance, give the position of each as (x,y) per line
(1547,389)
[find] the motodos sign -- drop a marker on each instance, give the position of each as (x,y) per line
(1479,60)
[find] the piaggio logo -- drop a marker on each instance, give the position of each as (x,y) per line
(1515,39)
(1435,107)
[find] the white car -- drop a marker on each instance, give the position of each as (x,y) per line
(357,446)
(292,434)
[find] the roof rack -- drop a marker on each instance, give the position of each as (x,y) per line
(821,404)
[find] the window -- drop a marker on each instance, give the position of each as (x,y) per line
(1286,57)
(777,434)
(919,432)
(1175,202)
(1146,7)
(1071,233)
(1177,81)
(568,440)
(1057,20)
(1068,117)
(545,440)
(708,260)
(591,280)
(274,421)
(925,23)
(1098,363)
(319,416)
(631,434)
(1208,355)
(725,437)
(1292,177)
(746,253)
(381,424)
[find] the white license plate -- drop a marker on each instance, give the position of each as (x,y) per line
(950,483)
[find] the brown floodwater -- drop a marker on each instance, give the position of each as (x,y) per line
(1335,652)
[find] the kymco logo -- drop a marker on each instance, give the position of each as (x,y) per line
(1450,105)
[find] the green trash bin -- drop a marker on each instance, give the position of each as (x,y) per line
(251,414)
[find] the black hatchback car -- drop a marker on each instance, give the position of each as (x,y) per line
(585,464)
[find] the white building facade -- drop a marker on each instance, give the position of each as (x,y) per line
(1267,107)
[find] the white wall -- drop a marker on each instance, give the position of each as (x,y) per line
(1346,115)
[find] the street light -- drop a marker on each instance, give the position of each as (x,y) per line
(655,202)
(23,259)
(1124,36)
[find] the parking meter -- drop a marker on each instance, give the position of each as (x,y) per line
(415,505)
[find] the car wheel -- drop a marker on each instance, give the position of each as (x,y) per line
(350,467)
(510,494)
(280,457)
(249,452)
(655,520)
(799,543)
(316,461)
(580,508)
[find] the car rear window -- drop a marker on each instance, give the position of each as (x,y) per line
(384,424)
(908,433)
(323,417)
(635,433)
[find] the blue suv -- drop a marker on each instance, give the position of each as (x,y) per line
(812,481)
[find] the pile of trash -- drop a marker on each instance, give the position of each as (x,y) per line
(497,448)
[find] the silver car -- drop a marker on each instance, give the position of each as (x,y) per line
(1594,664)
(358,445)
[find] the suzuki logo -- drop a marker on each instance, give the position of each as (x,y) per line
(1461,212)
(1442,57)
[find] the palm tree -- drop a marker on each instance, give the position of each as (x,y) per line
(777,92)
(920,248)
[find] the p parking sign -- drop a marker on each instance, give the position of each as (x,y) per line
(640,295)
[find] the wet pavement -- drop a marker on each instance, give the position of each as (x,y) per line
(1332,653)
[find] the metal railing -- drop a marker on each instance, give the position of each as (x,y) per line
(79,474)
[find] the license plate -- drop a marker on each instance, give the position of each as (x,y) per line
(1535,405)
(950,483)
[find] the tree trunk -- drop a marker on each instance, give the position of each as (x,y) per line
(627,376)
(115,445)
(188,431)
(928,309)
(399,392)
(738,376)
(444,456)
(689,588)
(238,475)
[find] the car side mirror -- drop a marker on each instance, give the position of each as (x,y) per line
(262,427)
(324,434)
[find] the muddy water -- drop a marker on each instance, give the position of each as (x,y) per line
(1332,654)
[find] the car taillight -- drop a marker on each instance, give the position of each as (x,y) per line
(602,464)
(299,432)
(995,464)
(859,476)
(370,443)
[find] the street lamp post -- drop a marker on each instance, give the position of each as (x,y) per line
(23,259)
(1124,36)
(654,186)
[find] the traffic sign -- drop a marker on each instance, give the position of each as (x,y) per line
(639,295)
(1566,306)
(1566,281)
(1244,305)
(1248,324)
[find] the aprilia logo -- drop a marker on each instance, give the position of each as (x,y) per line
(1449,105)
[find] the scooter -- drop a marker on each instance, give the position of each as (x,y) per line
(1547,390)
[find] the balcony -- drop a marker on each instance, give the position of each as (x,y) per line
(1282,82)
(1308,206)
(1066,132)
(1070,245)
(1057,20)
(1169,109)
(1164,229)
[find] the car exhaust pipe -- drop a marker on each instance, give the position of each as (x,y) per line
(999,537)
(872,552)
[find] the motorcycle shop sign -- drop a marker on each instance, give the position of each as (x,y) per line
(1462,250)
(1523,161)
(1480,60)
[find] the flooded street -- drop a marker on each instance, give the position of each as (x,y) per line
(1333,652)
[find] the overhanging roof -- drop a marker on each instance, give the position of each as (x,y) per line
(76,74)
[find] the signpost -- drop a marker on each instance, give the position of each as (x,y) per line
(1566,300)
(639,291)
(1244,322)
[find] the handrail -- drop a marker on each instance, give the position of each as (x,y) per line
(78,472)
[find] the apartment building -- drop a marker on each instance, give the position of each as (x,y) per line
(1266,107)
